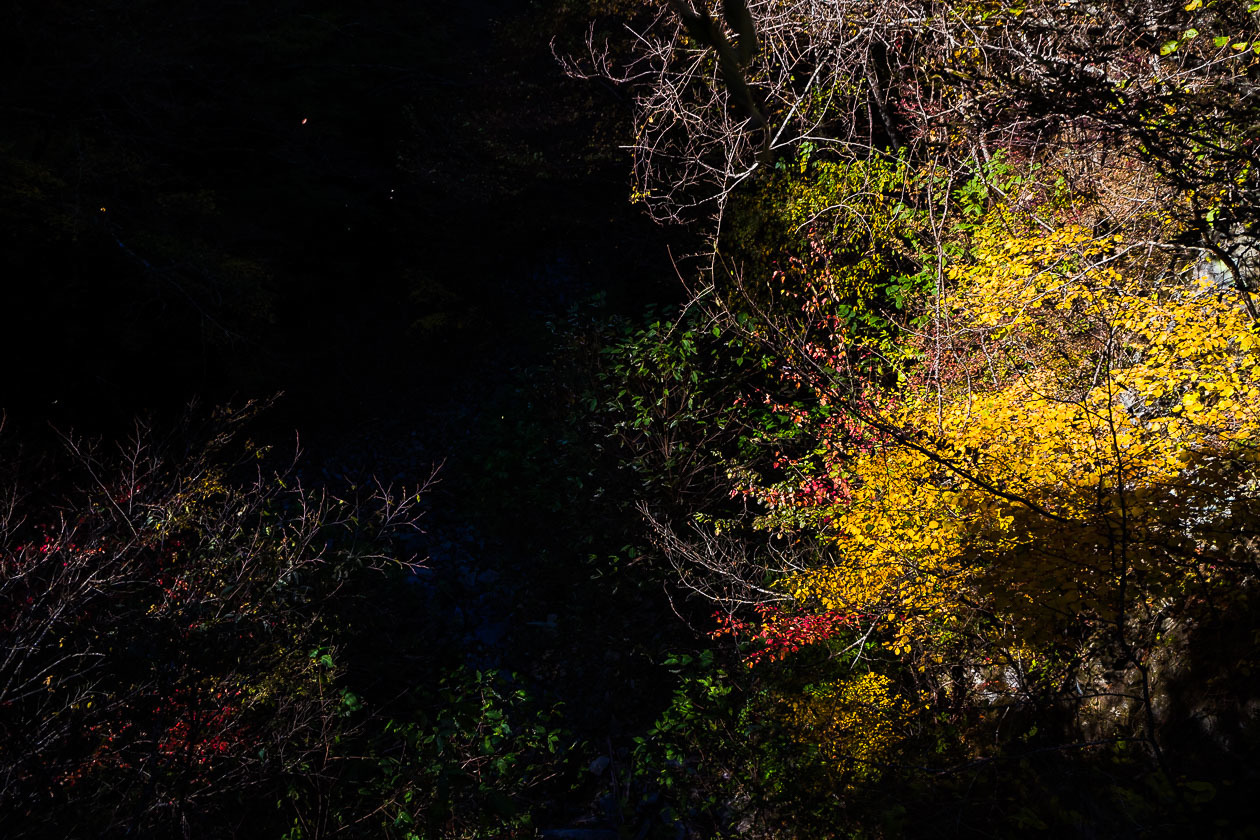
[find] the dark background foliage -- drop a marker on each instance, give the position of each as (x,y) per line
(399,215)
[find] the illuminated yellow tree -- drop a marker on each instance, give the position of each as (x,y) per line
(1066,477)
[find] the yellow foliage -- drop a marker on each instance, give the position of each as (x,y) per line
(198,495)
(854,723)
(1072,481)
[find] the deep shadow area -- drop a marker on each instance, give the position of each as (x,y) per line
(227,201)
(399,216)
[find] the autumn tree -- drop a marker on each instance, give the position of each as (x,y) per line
(1000,260)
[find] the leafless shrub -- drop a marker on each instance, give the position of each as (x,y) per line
(1099,89)
(165,607)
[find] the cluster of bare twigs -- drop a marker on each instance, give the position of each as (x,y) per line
(1099,85)
(165,609)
